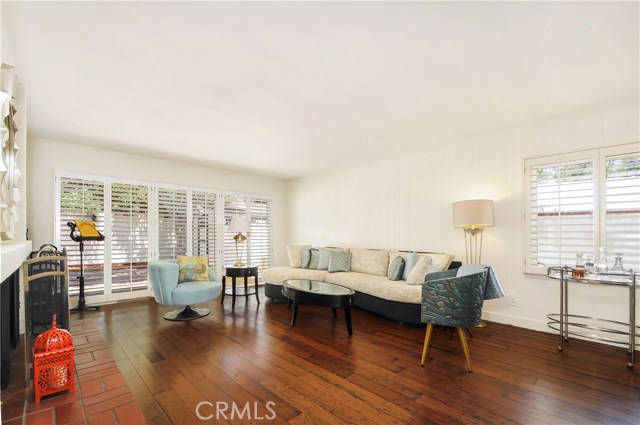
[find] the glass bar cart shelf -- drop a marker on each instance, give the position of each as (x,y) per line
(591,327)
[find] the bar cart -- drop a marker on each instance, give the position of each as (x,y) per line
(561,322)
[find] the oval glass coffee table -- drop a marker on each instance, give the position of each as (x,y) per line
(303,291)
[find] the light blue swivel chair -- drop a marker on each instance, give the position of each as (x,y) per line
(163,276)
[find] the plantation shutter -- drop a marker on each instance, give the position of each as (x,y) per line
(622,186)
(129,239)
(204,225)
(233,205)
(172,223)
(561,212)
(260,240)
(82,199)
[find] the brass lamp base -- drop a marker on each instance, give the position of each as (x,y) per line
(239,264)
(482,324)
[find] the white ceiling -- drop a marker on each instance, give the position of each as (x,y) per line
(292,89)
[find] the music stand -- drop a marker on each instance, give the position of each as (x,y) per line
(78,236)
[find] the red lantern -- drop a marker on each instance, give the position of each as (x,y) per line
(53,362)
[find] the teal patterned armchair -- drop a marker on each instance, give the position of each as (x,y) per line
(454,301)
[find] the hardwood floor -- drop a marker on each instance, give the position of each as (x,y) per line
(315,373)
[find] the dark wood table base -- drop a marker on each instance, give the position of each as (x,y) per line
(297,297)
(236,272)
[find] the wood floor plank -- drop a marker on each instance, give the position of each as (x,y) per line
(316,374)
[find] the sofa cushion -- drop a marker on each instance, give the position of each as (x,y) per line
(396,268)
(323,260)
(378,286)
(339,261)
(370,261)
(315,257)
(306,258)
(428,263)
(275,275)
(295,254)
(409,263)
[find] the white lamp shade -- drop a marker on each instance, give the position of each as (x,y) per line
(473,213)
(239,224)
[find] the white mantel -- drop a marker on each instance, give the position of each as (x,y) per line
(12,254)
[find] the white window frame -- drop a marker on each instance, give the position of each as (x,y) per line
(153,224)
(599,158)
(107,296)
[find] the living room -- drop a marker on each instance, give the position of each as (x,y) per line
(355,125)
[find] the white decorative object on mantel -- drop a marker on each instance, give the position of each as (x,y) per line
(9,171)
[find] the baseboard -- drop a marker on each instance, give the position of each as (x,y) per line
(520,322)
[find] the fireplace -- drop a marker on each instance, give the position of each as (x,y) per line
(12,254)
(9,323)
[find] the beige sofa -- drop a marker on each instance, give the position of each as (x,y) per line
(368,276)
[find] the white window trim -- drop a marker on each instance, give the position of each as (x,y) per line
(153,223)
(599,157)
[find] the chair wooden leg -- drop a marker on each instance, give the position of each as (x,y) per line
(465,347)
(427,337)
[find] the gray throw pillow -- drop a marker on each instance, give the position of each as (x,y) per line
(409,262)
(396,268)
(339,261)
(323,260)
(306,257)
(315,257)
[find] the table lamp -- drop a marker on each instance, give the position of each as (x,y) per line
(238,225)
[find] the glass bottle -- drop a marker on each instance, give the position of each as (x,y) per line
(601,267)
(618,267)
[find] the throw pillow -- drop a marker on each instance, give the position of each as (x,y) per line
(306,258)
(409,263)
(419,271)
(295,255)
(315,257)
(396,268)
(323,259)
(193,269)
(440,262)
(339,261)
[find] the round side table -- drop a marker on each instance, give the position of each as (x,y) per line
(236,272)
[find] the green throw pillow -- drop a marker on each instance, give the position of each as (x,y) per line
(339,261)
(409,262)
(323,259)
(396,269)
(315,257)
(193,269)
(306,257)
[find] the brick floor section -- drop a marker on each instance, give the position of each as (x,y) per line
(101,393)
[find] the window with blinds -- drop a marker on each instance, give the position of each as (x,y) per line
(204,223)
(142,221)
(561,211)
(582,201)
(129,237)
(260,238)
(233,205)
(82,199)
(172,223)
(622,189)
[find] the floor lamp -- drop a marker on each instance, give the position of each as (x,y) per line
(238,225)
(473,216)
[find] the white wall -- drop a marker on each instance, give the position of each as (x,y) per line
(405,204)
(45,156)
